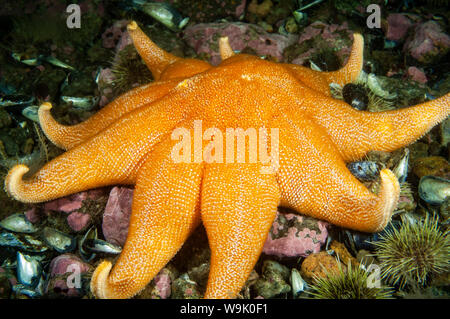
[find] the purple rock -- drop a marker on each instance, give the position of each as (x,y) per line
(78,221)
(320,35)
(105,86)
(428,44)
(72,202)
(58,285)
(117,215)
(398,26)
(292,235)
(113,34)
(417,75)
(63,280)
(32,215)
(60,265)
(204,39)
(163,283)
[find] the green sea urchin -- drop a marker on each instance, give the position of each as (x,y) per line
(350,284)
(413,252)
(129,70)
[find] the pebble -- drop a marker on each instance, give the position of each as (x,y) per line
(318,264)
(274,280)
(117,214)
(428,43)
(203,38)
(432,165)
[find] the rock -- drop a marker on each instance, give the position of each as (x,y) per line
(117,215)
(318,264)
(428,44)
(73,202)
(398,26)
(184,288)
(341,251)
(112,35)
(5,286)
(32,215)
(203,38)
(60,265)
(328,45)
(406,202)
(445,132)
(416,74)
(274,280)
(444,211)
(208,10)
(432,165)
(105,82)
(162,284)
(417,150)
(68,277)
(78,221)
(260,10)
(200,274)
(252,279)
(292,235)
(5,119)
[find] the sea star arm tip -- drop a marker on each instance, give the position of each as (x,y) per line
(225,48)
(69,136)
(164,213)
(13,185)
(388,198)
(314,180)
(99,281)
(350,72)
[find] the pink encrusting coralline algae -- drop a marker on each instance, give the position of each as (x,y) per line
(292,235)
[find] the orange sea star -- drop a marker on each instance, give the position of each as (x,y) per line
(129,142)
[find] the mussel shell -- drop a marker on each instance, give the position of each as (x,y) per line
(364,170)
(356,96)
(25,290)
(59,241)
(355,241)
(16,100)
(86,254)
(401,168)
(31,113)
(83,103)
(166,14)
(298,284)
(102,246)
(433,189)
(299,16)
(22,242)
(29,270)
(18,223)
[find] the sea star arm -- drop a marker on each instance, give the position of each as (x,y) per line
(357,132)
(165,210)
(315,181)
(320,81)
(69,136)
(162,64)
(350,72)
(238,207)
(110,157)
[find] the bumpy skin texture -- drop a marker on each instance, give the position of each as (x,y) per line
(130,142)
